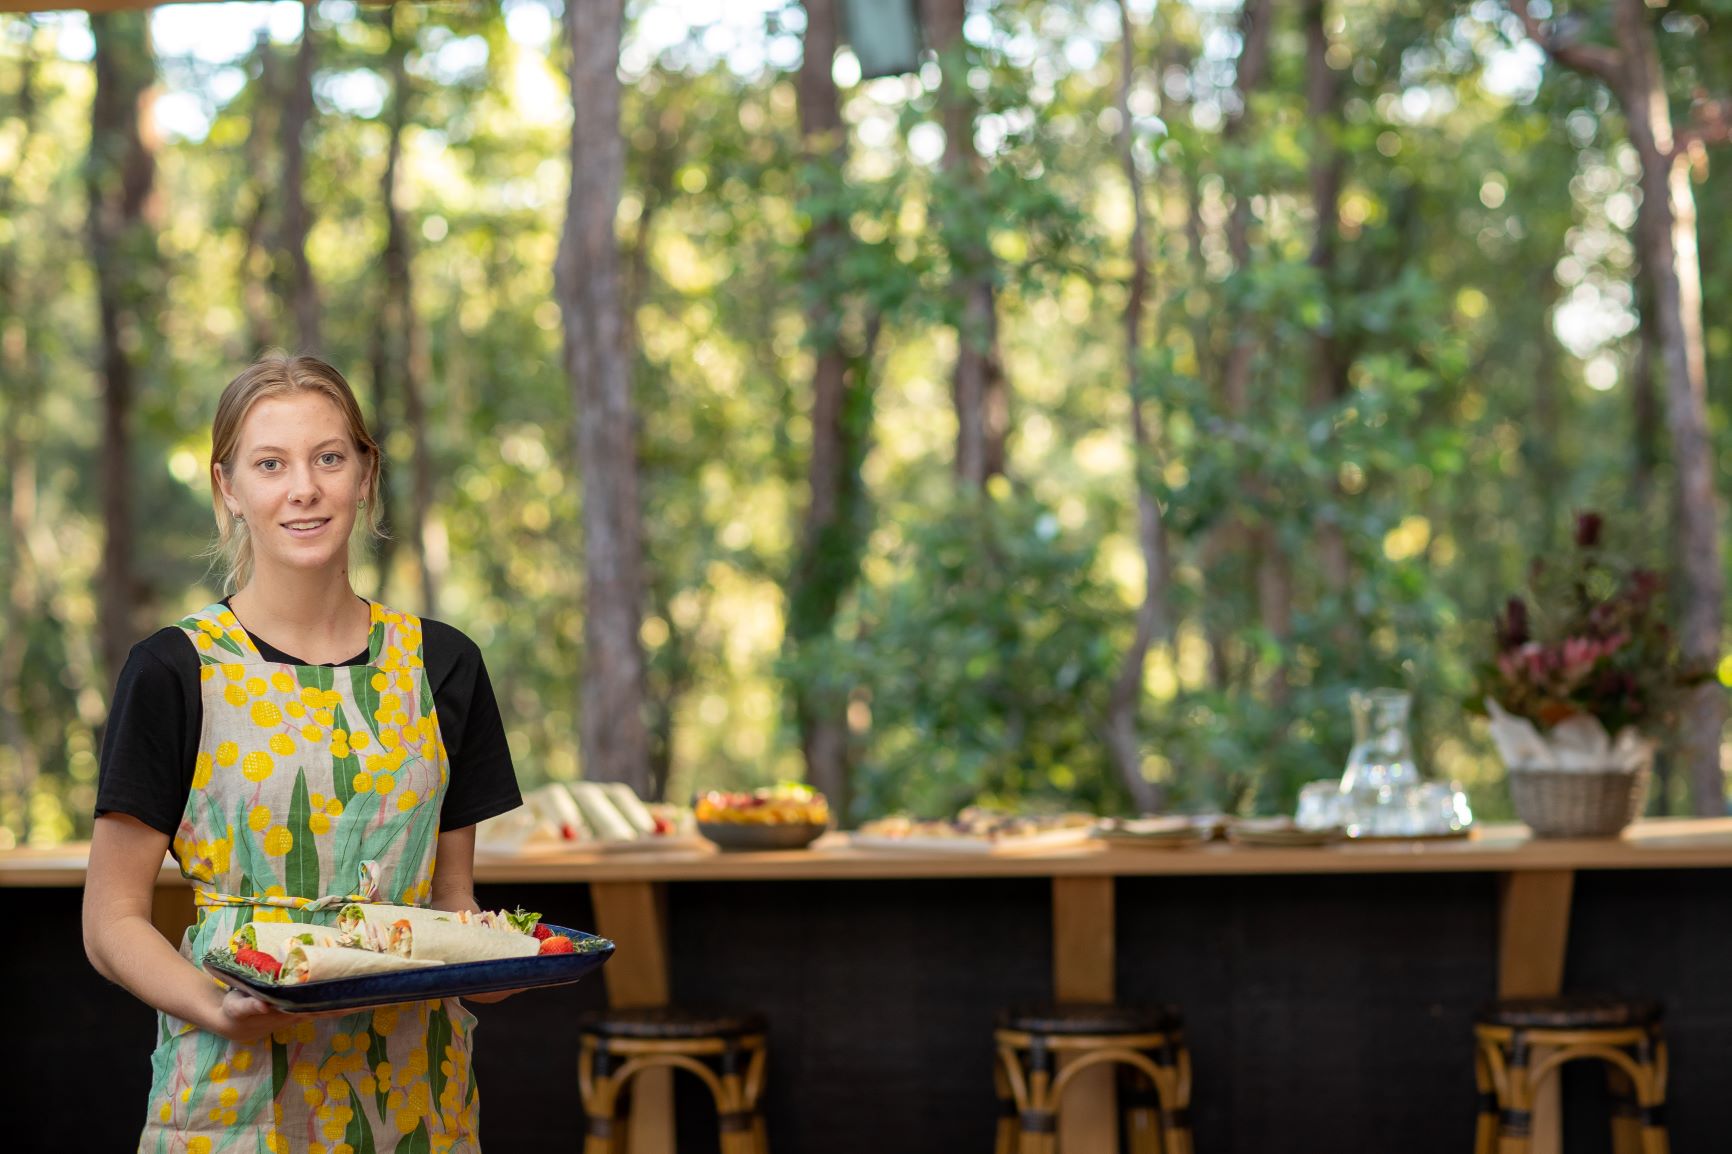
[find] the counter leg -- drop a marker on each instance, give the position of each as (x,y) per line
(1533,936)
(1084,959)
(634,916)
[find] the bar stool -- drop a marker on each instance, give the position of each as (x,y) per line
(725,1051)
(1622,1033)
(1147,1043)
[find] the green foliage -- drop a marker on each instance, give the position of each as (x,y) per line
(982,658)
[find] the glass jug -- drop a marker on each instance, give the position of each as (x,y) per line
(1381,771)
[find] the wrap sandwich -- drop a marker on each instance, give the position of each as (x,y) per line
(320,963)
(275,938)
(449,941)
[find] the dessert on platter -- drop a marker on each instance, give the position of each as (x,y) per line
(787,816)
(380,954)
(977,830)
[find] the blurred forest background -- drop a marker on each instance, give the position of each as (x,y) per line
(1074,418)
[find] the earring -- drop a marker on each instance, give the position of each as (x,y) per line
(362,503)
(240,519)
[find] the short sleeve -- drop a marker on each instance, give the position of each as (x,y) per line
(482,782)
(150,743)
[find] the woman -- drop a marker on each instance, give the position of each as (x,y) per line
(294,747)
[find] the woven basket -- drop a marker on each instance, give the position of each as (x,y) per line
(1575,803)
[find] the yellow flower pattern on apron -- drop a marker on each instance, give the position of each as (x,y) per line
(312,782)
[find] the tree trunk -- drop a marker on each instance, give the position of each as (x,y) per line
(1646,415)
(1273,581)
(982,396)
(119,180)
(614,739)
(1666,234)
(256,256)
(397,351)
(833,531)
(1540,447)
(1255,24)
(297,116)
(1328,372)
(1152,618)
(19,368)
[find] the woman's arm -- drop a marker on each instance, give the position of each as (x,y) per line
(454,871)
(125,947)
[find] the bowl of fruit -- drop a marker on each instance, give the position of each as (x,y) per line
(782,817)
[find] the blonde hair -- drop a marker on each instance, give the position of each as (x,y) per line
(276,374)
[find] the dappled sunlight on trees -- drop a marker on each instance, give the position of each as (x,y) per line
(1390,334)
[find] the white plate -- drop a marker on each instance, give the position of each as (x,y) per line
(964,844)
(674,841)
(1280,832)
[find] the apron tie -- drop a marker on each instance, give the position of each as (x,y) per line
(365,891)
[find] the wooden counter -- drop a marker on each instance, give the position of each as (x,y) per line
(627,889)
(1672,843)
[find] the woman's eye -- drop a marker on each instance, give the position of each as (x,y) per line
(269,464)
(330,458)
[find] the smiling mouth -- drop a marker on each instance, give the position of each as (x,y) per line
(305,526)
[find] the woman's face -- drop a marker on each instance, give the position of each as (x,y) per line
(298,478)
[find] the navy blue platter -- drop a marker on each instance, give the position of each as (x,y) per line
(420,984)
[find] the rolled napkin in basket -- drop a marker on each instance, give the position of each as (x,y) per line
(1577,744)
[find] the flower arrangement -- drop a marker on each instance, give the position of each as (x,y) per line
(1584,676)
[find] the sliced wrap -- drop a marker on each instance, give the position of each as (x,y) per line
(603,815)
(320,963)
(275,938)
(630,806)
(372,922)
(451,942)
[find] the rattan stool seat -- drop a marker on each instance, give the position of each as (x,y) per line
(1520,1044)
(1572,1012)
(669,1023)
(725,1051)
(1090,1018)
(1042,1049)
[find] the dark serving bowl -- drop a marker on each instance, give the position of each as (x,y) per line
(741,836)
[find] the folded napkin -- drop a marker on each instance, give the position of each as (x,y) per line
(1579,744)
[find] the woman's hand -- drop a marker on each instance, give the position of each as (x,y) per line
(495,996)
(244,1018)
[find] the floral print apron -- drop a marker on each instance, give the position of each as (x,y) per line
(314,786)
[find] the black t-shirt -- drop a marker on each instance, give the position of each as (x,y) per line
(154,726)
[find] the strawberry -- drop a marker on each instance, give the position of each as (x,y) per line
(541,932)
(260,961)
(663,825)
(557,944)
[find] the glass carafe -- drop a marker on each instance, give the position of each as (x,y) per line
(1381,770)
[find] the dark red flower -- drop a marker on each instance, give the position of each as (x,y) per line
(1512,627)
(1588,527)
